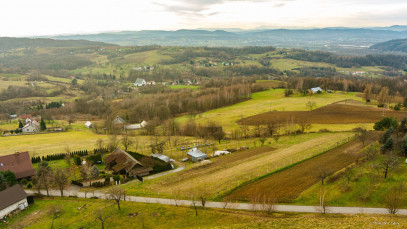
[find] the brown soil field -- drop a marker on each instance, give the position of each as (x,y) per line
(290,183)
(337,113)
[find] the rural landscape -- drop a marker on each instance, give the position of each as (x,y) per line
(204,128)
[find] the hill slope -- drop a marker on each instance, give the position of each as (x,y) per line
(392,46)
(9,43)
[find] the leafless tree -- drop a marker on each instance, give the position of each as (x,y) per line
(194,200)
(394,199)
(102,216)
(304,125)
(322,174)
(349,173)
(322,199)
(100,143)
(268,203)
(386,163)
(54,212)
(88,172)
(44,178)
(60,179)
(126,141)
(116,194)
(311,104)
(262,140)
(113,142)
(362,134)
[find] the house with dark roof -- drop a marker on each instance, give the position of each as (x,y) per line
(196,155)
(11,199)
(18,163)
(120,162)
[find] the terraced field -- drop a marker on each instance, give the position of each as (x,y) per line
(290,183)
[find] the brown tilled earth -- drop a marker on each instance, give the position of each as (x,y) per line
(336,113)
(290,183)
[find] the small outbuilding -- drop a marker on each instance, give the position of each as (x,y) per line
(13,198)
(88,124)
(161,157)
(316,90)
(118,121)
(220,153)
(136,126)
(196,155)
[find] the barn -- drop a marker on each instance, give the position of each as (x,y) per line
(196,155)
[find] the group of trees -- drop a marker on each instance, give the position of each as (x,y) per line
(7,179)
(46,177)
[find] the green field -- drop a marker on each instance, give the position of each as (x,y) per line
(176,87)
(265,101)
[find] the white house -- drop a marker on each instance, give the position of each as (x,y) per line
(88,124)
(13,116)
(220,153)
(31,127)
(12,198)
(316,90)
(150,82)
(140,82)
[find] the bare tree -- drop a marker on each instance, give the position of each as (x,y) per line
(88,172)
(44,177)
(116,194)
(100,143)
(304,125)
(126,141)
(102,216)
(322,174)
(362,134)
(113,142)
(262,140)
(386,163)
(310,105)
(394,199)
(194,200)
(60,179)
(54,212)
(349,173)
(268,203)
(322,199)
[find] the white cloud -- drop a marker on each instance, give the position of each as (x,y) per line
(42,17)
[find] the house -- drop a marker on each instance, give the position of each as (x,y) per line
(120,162)
(18,163)
(196,155)
(12,198)
(13,116)
(316,90)
(161,157)
(140,82)
(118,121)
(136,126)
(88,124)
(150,83)
(31,127)
(220,153)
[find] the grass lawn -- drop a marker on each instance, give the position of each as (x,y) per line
(175,87)
(153,215)
(232,173)
(162,216)
(261,102)
(366,188)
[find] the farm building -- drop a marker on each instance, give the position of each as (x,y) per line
(140,82)
(120,162)
(13,116)
(18,163)
(136,126)
(88,124)
(316,90)
(220,153)
(12,198)
(150,83)
(196,155)
(118,121)
(161,157)
(31,127)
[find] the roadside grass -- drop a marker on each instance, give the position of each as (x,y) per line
(152,215)
(289,149)
(367,188)
(265,101)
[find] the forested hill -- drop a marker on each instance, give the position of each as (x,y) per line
(392,46)
(9,43)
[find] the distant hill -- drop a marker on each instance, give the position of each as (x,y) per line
(328,39)
(9,43)
(392,46)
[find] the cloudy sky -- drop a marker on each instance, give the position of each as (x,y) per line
(50,17)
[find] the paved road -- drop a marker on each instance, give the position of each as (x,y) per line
(240,206)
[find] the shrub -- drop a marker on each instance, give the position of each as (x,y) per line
(386,123)
(29,186)
(116,178)
(23,182)
(77,160)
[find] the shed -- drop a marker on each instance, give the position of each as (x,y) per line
(12,198)
(161,157)
(220,153)
(118,121)
(88,124)
(196,155)
(18,163)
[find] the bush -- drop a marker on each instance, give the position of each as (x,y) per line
(98,184)
(23,182)
(386,123)
(116,178)
(94,158)
(29,186)
(77,160)
(77,183)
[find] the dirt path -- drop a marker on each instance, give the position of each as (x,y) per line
(290,183)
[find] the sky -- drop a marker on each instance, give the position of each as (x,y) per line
(53,17)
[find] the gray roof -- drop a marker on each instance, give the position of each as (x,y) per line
(194,152)
(161,157)
(118,120)
(11,196)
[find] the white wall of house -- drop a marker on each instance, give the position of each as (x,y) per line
(30,129)
(22,203)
